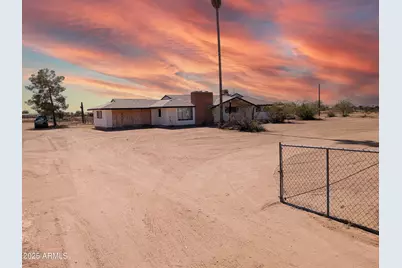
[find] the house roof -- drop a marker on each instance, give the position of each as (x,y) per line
(225,98)
(251,100)
(171,101)
(130,104)
(186,98)
(256,101)
(116,104)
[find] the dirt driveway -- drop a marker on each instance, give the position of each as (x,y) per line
(190,198)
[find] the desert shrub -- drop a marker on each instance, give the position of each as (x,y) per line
(331,113)
(368,110)
(245,125)
(323,107)
(306,111)
(251,126)
(279,112)
(345,107)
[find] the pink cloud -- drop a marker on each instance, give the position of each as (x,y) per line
(151,41)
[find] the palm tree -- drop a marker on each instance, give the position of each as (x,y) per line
(217,4)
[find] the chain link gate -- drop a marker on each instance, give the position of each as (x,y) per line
(341,184)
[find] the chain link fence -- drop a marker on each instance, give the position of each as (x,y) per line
(341,184)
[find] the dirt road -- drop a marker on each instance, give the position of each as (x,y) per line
(192,198)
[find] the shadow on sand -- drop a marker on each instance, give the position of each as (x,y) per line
(365,143)
(48,128)
(151,127)
(339,141)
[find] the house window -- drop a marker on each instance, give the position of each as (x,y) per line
(184,114)
(258,109)
(232,110)
(159,112)
(99,114)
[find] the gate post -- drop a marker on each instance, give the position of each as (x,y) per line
(327,167)
(280,174)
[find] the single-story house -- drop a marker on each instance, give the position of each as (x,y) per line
(237,106)
(197,108)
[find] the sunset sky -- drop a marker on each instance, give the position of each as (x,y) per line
(276,49)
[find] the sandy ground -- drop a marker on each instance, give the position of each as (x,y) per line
(195,198)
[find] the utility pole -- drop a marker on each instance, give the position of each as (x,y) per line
(319,101)
(82,113)
(217,4)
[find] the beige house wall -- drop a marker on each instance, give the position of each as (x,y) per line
(169,118)
(105,121)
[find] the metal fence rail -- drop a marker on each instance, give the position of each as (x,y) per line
(341,184)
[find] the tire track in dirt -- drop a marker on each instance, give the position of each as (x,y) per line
(84,234)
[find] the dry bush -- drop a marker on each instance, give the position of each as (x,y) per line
(345,107)
(279,112)
(331,113)
(306,111)
(245,125)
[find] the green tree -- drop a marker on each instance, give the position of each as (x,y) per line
(345,107)
(47,92)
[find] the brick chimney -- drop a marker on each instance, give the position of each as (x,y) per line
(203,100)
